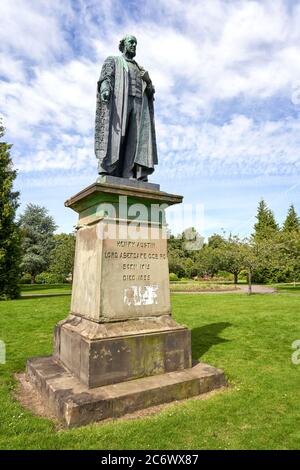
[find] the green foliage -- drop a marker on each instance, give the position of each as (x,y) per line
(176,255)
(266,224)
(9,231)
(270,255)
(37,239)
(223,276)
(207,262)
(256,255)
(62,256)
(216,241)
(292,221)
(183,252)
(47,278)
(25,279)
(230,256)
(288,255)
(173,277)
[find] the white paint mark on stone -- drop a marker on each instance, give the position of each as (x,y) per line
(140,295)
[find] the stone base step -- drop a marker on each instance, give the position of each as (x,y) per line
(76,405)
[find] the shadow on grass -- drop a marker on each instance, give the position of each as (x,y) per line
(205,337)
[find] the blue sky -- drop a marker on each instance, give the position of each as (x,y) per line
(227,78)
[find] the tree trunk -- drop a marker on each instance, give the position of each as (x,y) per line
(32,278)
(235,278)
(249,282)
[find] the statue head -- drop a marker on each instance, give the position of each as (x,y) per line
(128,46)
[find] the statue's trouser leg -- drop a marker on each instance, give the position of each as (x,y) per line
(133,123)
(107,169)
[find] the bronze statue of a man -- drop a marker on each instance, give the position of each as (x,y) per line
(125,142)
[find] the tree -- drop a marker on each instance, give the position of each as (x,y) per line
(292,221)
(9,231)
(231,256)
(216,241)
(37,230)
(256,254)
(183,252)
(62,256)
(288,254)
(207,261)
(266,224)
(176,256)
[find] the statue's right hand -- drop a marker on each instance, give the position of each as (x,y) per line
(105,96)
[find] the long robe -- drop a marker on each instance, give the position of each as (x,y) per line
(110,126)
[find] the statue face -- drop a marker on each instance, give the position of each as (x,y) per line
(130,46)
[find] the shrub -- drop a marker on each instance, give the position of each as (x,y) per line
(47,278)
(25,279)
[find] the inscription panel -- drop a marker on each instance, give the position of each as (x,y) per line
(135,278)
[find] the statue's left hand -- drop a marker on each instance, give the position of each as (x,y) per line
(105,91)
(105,96)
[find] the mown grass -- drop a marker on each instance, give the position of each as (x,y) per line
(249,337)
(28,289)
(185,286)
(289,288)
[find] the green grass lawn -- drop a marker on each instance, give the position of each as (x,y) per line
(28,289)
(289,288)
(181,286)
(249,337)
(175,286)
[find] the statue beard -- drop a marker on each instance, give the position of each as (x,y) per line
(130,55)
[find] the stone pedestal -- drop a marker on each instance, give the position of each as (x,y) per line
(120,332)
(106,353)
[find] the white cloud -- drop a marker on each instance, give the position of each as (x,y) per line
(199,54)
(240,146)
(33,29)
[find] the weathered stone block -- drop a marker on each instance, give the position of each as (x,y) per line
(101,354)
(117,279)
(75,405)
(121,264)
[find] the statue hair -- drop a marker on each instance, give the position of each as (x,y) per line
(122,42)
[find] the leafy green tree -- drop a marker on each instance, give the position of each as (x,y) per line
(288,254)
(188,265)
(37,239)
(183,252)
(62,256)
(9,231)
(175,256)
(256,254)
(292,221)
(207,262)
(230,255)
(266,224)
(292,247)
(266,229)
(180,259)
(216,241)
